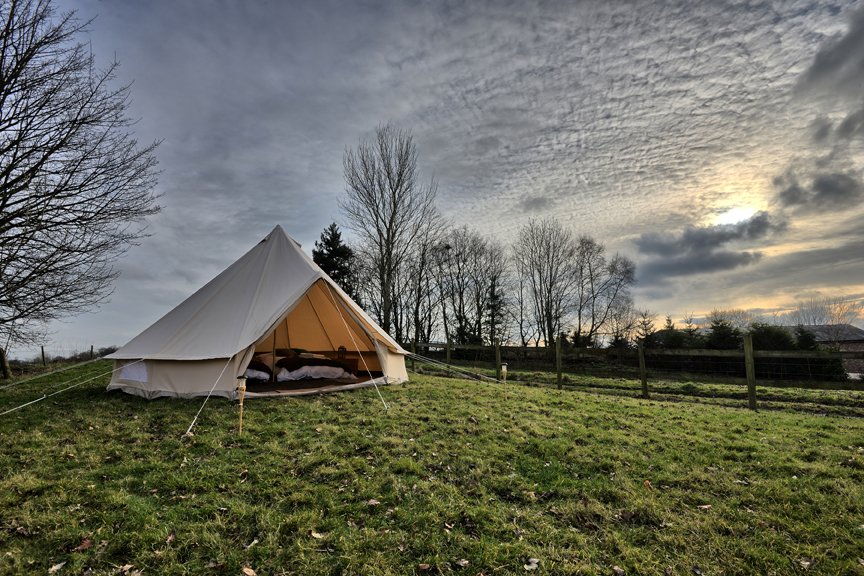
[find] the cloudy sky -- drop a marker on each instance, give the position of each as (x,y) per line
(719,144)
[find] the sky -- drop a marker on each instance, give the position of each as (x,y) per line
(718,144)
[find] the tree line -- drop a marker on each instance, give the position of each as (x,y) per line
(424,279)
(724,329)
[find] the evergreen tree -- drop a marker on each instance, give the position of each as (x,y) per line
(619,342)
(723,336)
(645,330)
(670,337)
(769,337)
(337,259)
(804,339)
(582,339)
(669,325)
(692,338)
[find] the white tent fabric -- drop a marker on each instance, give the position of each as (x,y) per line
(273,297)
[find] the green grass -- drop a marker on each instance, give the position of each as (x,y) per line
(687,388)
(460,470)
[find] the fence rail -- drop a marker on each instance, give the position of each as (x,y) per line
(633,352)
(822,369)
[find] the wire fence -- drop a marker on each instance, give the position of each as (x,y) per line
(838,370)
(45,358)
(819,382)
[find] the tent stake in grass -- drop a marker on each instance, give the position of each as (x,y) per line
(241,389)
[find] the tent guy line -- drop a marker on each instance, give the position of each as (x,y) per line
(452,369)
(356,347)
(45,396)
(188,433)
(58,371)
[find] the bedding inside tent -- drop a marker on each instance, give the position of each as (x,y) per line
(319,346)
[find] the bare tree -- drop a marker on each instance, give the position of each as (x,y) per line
(74,184)
(601,283)
(830,311)
(570,280)
(589,258)
(440,261)
(737,318)
(473,270)
(621,322)
(386,206)
(462,245)
(418,289)
(525,321)
(545,254)
(368,291)
(827,311)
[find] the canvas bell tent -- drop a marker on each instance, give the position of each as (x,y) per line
(273,309)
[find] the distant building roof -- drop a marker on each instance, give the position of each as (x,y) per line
(833,332)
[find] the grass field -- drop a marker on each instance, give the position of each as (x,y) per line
(456,477)
(816,397)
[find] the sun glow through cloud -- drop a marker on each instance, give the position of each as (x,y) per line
(734,215)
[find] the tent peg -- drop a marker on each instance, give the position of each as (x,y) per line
(241,389)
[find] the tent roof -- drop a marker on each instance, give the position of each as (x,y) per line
(239,306)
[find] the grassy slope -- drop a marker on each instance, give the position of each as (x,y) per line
(460,470)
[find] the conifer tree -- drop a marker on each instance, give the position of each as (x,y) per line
(337,259)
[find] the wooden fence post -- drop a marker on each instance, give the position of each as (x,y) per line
(413,351)
(643,373)
(498,361)
(558,360)
(750,369)
(43,355)
(448,352)
(91,352)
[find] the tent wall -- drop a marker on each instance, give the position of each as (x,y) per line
(320,321)
(273,297)
(316,324)
(392,364)
(177,378)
